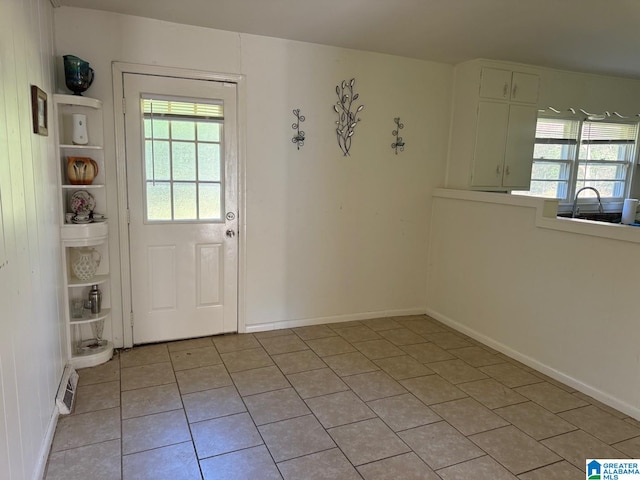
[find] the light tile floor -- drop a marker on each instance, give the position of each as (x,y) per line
(389,398)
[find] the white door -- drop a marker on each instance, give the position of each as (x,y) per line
(181,152)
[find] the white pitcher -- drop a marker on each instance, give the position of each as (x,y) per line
(84,263)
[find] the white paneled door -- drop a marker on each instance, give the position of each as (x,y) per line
(181,150)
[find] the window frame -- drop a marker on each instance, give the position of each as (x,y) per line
(217,117)
(573,164)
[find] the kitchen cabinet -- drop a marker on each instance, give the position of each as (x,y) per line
(493,128)
(501,84)
(85,249)
(503,152)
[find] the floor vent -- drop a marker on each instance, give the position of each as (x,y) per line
(67,390)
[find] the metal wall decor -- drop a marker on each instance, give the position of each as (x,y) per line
(399,143)
(298,138)
(347,116)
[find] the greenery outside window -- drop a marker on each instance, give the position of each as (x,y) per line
(183,150)
(570,154)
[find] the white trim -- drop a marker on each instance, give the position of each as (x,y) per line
(45,448)
(631,410)
(306,322)
(118,69)
(241,110)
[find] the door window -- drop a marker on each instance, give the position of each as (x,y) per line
(183,146)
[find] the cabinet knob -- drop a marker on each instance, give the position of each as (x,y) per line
(514,92)
(507,171)
(498,169)
(505,90)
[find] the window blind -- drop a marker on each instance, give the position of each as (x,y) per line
(555,131)
(166,107)
(615,133)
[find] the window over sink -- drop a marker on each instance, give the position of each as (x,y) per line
(571,153)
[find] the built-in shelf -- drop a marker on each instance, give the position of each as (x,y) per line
(83,350)
(80,147)
(91,317)
(91,357)
(84,234)
(77,101)
(97,280)
(82,187)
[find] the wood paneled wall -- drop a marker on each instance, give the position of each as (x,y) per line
(32,352)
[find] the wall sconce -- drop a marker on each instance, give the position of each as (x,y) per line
(298,138)
(399,143)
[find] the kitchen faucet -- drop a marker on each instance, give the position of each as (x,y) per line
(575,210)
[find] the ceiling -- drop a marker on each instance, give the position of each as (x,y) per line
(600,36)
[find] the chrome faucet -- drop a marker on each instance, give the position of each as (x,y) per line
(575,210)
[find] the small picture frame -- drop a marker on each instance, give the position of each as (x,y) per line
(39,111)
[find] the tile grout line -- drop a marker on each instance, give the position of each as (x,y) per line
(316,419)
(121,426)
(186,418)
(376,416)
(258,429)
(327,430)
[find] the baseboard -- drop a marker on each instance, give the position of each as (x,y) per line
(306,322)
(632,411)
(39,470)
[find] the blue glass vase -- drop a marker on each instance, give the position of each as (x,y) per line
(78,75)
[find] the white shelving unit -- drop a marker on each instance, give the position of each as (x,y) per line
(83,351)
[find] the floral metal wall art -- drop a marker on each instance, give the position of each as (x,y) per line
(347,114)
(399,143)
(299,137)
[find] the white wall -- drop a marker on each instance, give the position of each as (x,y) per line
(328,237)
(331,235)
(31,330)
(562,302)
(594,93)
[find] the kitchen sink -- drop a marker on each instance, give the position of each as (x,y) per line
(596,217)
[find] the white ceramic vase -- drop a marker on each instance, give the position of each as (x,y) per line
(79,122)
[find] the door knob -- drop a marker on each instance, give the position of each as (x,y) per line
(230,233)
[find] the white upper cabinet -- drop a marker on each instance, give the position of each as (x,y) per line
(493,128)
(524,87)
(495,83)
(501,84)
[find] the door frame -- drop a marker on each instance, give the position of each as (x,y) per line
(118,69)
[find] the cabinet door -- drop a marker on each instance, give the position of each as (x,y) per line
(495,83)
(518,156)
(491,130)
(524,87)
